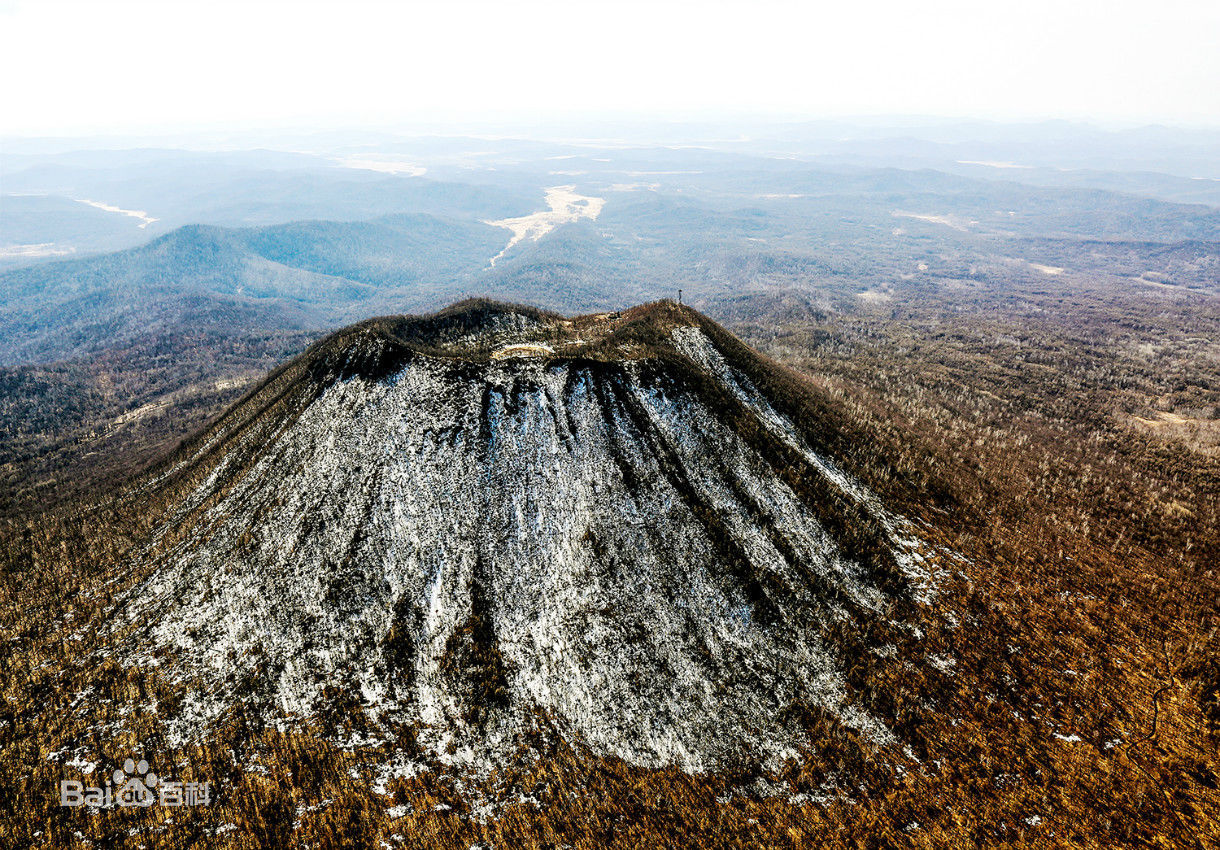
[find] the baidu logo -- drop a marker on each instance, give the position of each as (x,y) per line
(136,791)
(135,785)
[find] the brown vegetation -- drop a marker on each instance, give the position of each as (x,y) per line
(1075,694)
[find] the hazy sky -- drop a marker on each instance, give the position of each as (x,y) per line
(122,66)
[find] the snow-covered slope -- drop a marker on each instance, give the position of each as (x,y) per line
(610,524)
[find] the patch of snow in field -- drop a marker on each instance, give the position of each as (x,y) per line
(522,350)
(400,767)
(384,165)
(39,249)
(1157,284)
(145,218)
(631,187)
(872,296)
(1051,270)
(81,764)
(565,206)
(991,163)
(953,221)
(943,663)
(141,412)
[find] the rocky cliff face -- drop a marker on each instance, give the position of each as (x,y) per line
(461,521)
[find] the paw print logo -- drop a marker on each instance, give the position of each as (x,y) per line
(136,790)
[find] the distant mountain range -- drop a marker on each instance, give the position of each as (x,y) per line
(119,355)
(718,234)
(298,276)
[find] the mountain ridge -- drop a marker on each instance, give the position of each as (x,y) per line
(298,276)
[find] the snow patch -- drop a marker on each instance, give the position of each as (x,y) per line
(956,222)
(1050,270)
(145,218)
(384,165)
(39,249)
(989,163)
(565,206)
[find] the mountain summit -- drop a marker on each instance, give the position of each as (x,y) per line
(463,522)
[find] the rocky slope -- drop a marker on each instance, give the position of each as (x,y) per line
(463,522)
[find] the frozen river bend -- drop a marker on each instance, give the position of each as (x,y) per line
(462,522)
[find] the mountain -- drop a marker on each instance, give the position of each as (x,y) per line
(461,522)
(496,577)
(725,228)
(305,275)
(35,227)
(44,196)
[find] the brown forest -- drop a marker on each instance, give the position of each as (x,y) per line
(1064,441)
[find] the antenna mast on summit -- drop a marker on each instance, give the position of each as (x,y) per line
(679,297)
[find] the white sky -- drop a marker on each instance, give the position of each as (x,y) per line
(122,66)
